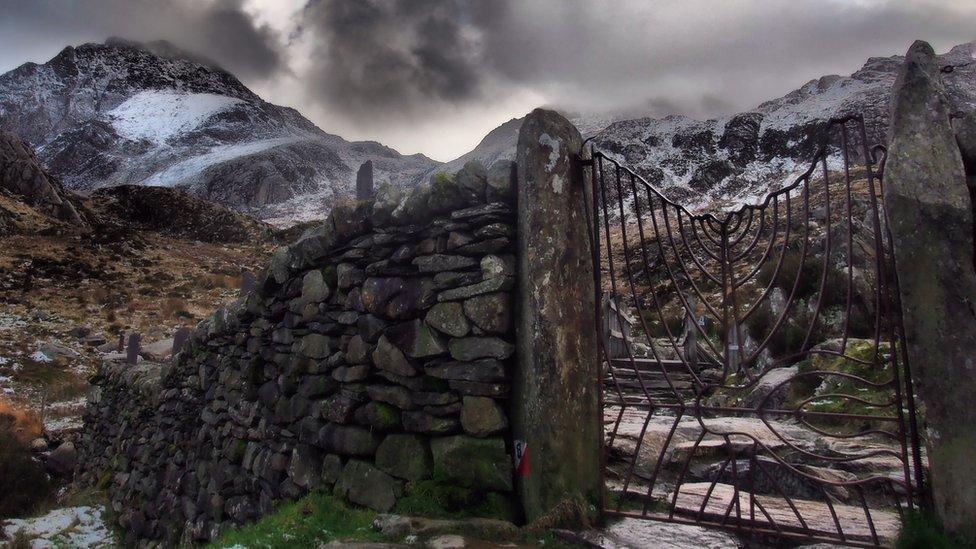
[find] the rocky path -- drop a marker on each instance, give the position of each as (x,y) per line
(778,497)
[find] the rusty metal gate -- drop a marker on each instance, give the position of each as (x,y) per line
(755,377)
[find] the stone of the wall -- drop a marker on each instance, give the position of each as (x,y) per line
(930,217)
(373,353)
(556,410)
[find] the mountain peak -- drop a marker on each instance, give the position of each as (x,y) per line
(164,49)
(151,114)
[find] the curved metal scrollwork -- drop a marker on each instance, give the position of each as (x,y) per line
(754,373)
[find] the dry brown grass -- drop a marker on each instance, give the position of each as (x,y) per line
(23,424)
(173,306)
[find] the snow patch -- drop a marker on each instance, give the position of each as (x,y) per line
(39,356)
(157,115)
(194,166)
(69,527)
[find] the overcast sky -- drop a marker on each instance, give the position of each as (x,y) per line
(434,76)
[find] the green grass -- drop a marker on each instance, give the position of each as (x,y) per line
(921,531)
(314,519)
(443,499)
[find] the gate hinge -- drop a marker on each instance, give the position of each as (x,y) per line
(586,162)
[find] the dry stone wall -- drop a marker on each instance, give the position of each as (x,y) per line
(373,355)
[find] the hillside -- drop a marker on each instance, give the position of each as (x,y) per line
(126,258)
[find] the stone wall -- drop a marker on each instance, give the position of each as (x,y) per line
(374,355)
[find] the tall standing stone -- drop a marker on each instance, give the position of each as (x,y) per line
(555,393)
(364,181)
(132,349)
(930,216)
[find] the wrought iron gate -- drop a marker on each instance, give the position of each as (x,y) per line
(755,377)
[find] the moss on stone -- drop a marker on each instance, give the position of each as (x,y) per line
(859,361)
(238,447)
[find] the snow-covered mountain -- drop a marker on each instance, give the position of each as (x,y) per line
(148,114)
(739,157)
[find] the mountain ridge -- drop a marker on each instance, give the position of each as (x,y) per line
(741,156)
(128,113)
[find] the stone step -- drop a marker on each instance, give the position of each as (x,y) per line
(654,365)
(680,386)
(623,373)
(817,516)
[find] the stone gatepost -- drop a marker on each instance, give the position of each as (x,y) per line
(555,392)
(930,217)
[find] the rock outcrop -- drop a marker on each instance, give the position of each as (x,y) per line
(21,174)
(374,354)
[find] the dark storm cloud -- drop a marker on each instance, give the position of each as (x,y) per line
(700,57)
(219,30)
(377,56)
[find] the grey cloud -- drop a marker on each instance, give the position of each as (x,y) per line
(389,58)
(382,59)
(220,30)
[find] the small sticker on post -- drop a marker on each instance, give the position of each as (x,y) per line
(521,458)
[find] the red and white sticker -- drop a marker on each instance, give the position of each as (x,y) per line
(521,458)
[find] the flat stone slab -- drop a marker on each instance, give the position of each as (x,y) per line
(816,515)
(653,534)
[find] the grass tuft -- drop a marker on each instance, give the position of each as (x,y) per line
(922,531)
(308,522)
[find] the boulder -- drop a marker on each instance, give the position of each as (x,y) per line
(63,459)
